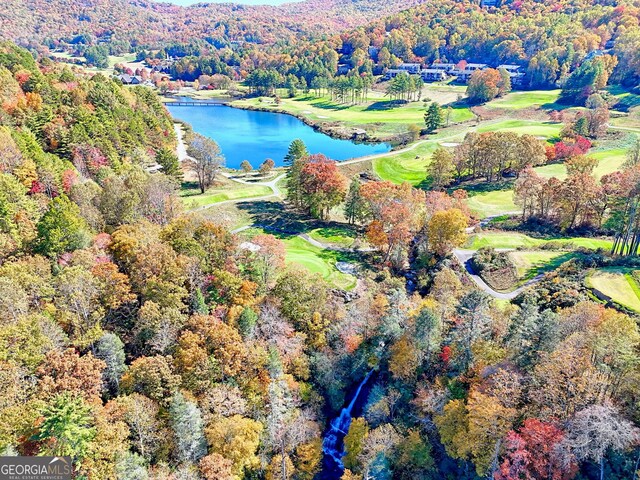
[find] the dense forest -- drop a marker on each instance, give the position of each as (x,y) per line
(146,342)
(549,39)
(126,23)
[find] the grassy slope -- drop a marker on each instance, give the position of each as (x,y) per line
(317,260)
(406,167)
(377,115)
(339,237)
(548,130)
(222,191)
(520,240)
(530,264)
(496,202)
(617,284)
(519,100)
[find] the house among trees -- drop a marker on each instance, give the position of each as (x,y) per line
(464,75)
(130,79)
(433,74)
(515,72)
(343,69)
(445,67)
(393,73)
(410,68)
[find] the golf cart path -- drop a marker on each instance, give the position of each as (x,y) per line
(464,258)
(402,150)
(305,237)
(181,152)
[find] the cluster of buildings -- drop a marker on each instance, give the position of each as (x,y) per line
(460,72)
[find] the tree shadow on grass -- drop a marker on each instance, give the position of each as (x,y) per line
(189,189)
(425,184)
(278,217)
(329,105)
(479,188)
(386,105)
(550,265)
(557,106)
(627,102)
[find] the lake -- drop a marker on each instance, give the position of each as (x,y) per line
(254,136)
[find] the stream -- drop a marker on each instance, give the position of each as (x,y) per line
(333,442)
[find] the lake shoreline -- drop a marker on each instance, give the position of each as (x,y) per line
(321,127)
(330,145)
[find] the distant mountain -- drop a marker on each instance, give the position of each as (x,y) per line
(33,22)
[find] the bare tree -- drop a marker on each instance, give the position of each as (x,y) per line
(206,160)
(595,430)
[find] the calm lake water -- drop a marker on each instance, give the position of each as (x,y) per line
(255,136)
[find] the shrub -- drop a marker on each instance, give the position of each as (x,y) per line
(495,268)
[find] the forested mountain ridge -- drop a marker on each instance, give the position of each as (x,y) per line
(145,22)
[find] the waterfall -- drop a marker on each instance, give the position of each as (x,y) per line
(332,445)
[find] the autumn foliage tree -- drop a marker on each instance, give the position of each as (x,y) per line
(206,160)
(322,186)
(446,230)
(485,85)
(532,452)
(396,212)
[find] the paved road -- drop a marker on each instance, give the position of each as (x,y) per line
(464,257)
(181,149)
(402,150)
(305,237)
(626,129)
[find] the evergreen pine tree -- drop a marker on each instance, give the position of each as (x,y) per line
(295,158)
(433,117)
(169,163)
(355,206)
(199,304)
(296,151)
(188,428)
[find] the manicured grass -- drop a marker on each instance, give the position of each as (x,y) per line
(312,258)
(225,190)
(618,284)
(546,130)
(497,202)
(520,240)
(379,116)
(228,215)
(339,237)
(502,240)
(409,166)
(627,100)
(517,100)
(530,264)
(608,161)
(501,201)
(317,260)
